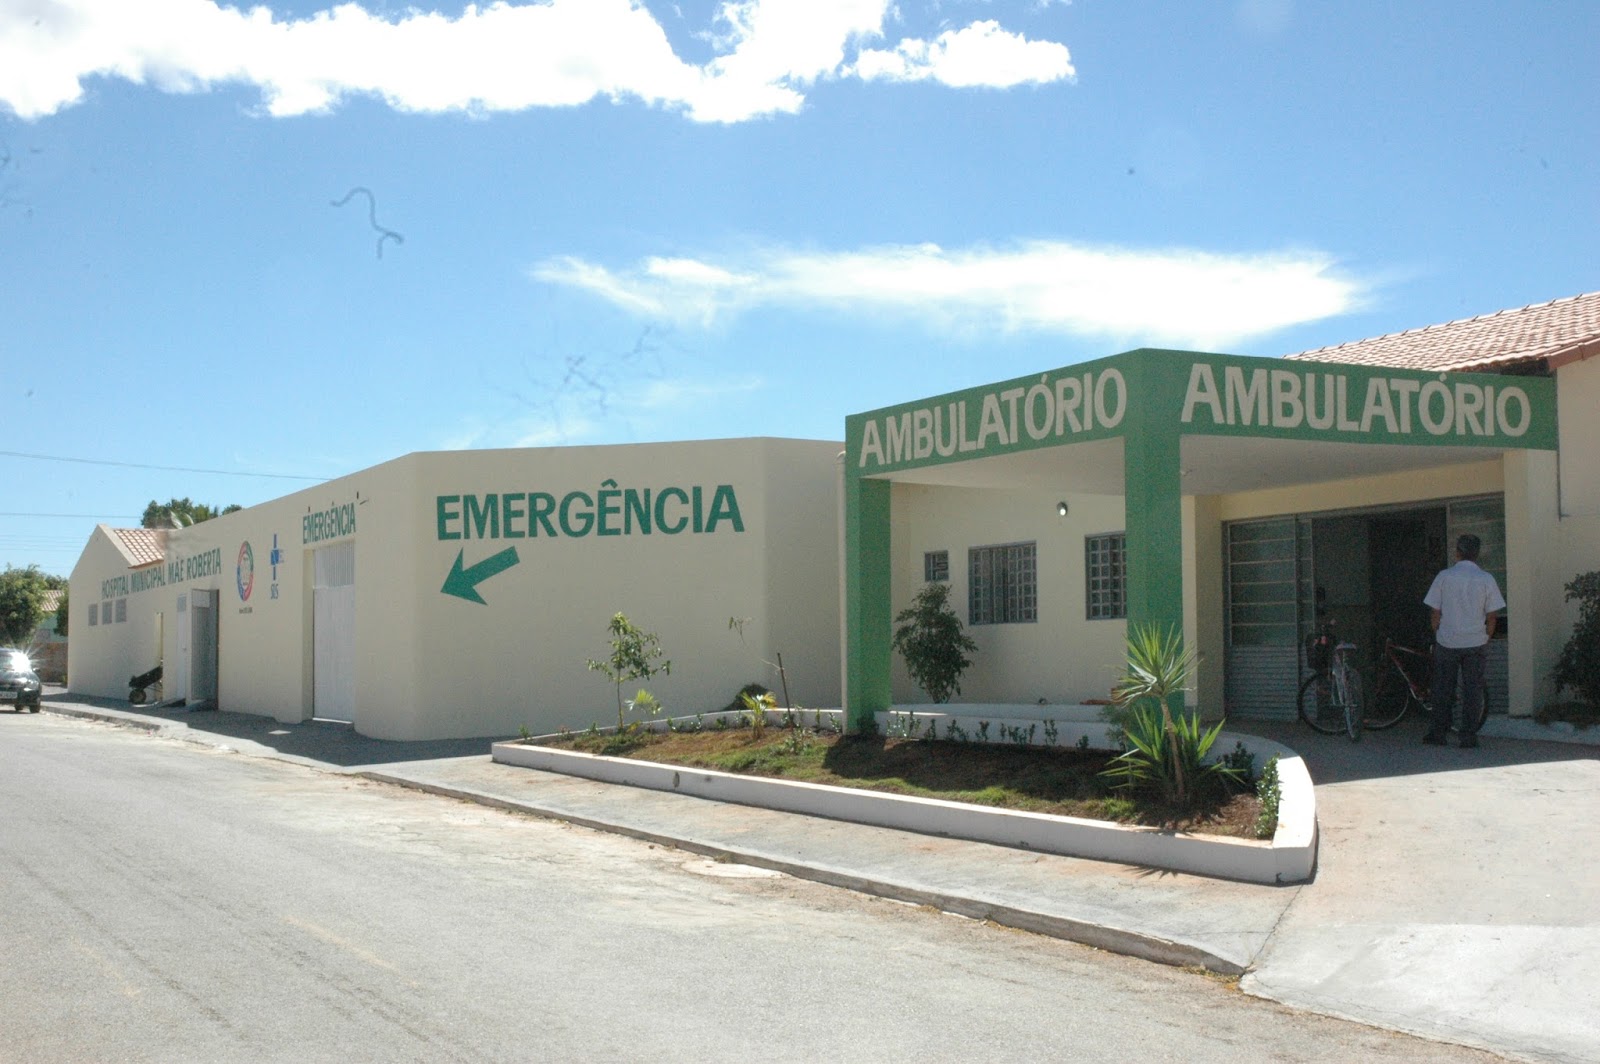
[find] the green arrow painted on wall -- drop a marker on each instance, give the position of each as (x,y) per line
(463,582)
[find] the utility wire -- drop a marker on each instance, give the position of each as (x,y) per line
(91,517)
(142,465)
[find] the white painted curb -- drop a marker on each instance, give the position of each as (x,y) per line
(1289,857)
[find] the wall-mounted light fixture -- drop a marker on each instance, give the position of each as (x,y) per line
(1061,508)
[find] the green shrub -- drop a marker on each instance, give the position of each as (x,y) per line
(757,706)
(1578,667)
(1167,756)
(22,594)
(749,690)
(1270,791)
(931,641)
(1242,761)
(634,654)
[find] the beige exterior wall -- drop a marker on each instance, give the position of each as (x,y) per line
(525,650)
(802,574)
(1576,537)
(1063,657)
(1533,578)
(1578,420)
(264,641)
(433,665)
(102,657)
(1446,482)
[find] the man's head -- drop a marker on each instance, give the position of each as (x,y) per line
(1467,547)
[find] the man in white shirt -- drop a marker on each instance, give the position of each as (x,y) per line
(1464,600)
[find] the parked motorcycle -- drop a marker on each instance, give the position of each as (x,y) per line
(142,686)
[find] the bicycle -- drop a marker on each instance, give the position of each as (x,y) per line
(1330,699)
(1414,690)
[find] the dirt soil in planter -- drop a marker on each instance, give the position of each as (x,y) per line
(1056,780)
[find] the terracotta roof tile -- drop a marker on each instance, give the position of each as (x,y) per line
(142,545)
(1560,331)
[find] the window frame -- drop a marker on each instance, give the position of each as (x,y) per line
(1015,598)
(1105,576)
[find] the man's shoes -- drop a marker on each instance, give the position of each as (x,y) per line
(1469,741)
(1433,740)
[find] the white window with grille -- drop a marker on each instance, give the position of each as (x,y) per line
(1106,576)
(1003,584)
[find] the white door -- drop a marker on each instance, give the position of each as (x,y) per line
(333,633)
(175,673)
(203,646)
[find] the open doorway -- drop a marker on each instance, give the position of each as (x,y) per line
(1407,550)
(1365,571)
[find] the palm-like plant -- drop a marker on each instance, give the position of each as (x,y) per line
(1163,750)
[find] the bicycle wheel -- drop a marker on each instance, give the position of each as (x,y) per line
(1317,704)
(1392,701)
(1352,705)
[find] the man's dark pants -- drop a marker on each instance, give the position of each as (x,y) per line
(1448,664)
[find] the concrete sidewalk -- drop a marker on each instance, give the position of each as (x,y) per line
(1456,895)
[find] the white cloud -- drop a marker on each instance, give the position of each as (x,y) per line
(1164,296)
(582,416)
(981,55)
(501,56)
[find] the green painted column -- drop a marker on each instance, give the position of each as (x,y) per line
(1155,529)
(868,611)
(1153,484)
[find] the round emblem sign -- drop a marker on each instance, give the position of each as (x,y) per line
(246,571)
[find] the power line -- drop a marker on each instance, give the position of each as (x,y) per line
(90,517)
(143,465)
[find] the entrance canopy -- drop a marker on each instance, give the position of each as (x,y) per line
(1155,426)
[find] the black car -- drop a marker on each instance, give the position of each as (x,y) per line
(19,684)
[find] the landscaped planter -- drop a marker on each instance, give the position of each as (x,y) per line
(1289,857)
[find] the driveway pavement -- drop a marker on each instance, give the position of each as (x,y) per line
(1457,894)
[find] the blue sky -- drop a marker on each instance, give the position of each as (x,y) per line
(596,221)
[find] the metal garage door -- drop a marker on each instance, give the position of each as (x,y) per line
(1268,577)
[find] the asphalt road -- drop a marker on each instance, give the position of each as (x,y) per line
(162,901)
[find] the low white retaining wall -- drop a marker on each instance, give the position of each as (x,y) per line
(1289,857)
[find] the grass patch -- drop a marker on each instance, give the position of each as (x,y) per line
(1060,781)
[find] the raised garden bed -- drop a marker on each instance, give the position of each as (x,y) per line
(1287,857)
